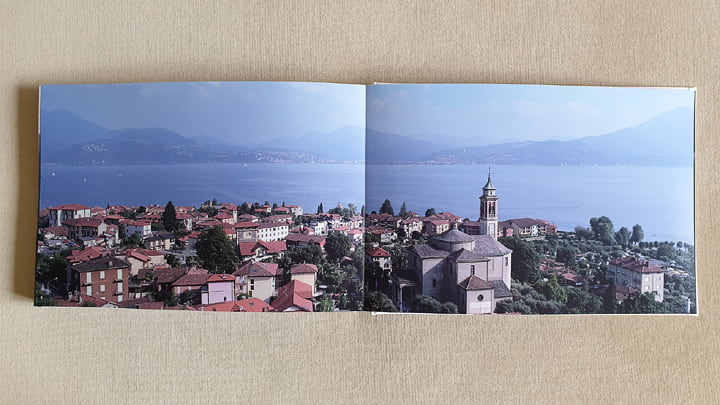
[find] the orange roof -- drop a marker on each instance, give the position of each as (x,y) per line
(294,293)
(377,252)
(259,269)
(72,207)
(303,268)
(247,305)
(221,277)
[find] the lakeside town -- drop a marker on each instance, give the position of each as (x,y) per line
(441,263)
(278,258)
(216,257)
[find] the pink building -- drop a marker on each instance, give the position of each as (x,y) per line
(219,288)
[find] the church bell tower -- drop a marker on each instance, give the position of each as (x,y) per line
(488,210)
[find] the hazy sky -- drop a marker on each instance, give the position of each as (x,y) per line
(519,112)
(229,111)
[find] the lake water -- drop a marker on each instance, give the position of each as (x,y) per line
(191,184)
(658,198)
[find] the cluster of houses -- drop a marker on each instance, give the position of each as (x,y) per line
(388,227)
(631,274)
(99,271)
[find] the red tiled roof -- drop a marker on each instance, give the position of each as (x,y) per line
(44,213)
(638,266)
(56,230)
(139,256)
(82,222)
(475,283)
(192,278)
(72,207)
(220,277)
(298,237)
(294,293)
(247,305)
(303,268)
(146,252)
(151,305)
(377,252)
(85,254)
(266,225)
(259,269)
(167,275)
(74,302)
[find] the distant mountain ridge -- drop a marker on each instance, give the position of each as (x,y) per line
(660,141)
(69,139)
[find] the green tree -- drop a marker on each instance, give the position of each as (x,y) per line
(387,208)
(429,305)
(325,304)
(429,212)
(525,261)
(609,300)
(645,303)
(403,210)
(666,253)
(133,240)
(622,236)
(337,246)
(311,254)
(320,209)
(169,217)
(566,254)
(379,302)
(42,299)
(551,289)
(583,233)
(581,301)
(602,229)
(172,260)
(637,234)
(216,252)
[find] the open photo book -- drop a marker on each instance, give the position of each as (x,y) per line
(320,197)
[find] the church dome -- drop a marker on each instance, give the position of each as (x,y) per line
(453,236)
(453,240)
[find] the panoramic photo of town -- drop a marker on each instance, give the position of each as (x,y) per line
(455,199)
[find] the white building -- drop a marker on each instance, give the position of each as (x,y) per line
(67,211)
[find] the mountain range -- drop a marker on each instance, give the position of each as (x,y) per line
(665,140)
(69,139)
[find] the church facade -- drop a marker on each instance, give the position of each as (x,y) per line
(473,271)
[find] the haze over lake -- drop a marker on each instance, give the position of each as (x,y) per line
(191,184)
(658,198)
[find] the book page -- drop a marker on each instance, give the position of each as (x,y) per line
(530,199)
(207,196)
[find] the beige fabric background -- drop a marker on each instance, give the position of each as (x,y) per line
(85,355)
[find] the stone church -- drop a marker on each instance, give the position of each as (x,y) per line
(473,271)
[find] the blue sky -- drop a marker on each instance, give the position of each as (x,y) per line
(230,111)
(478,112)
(452,113)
